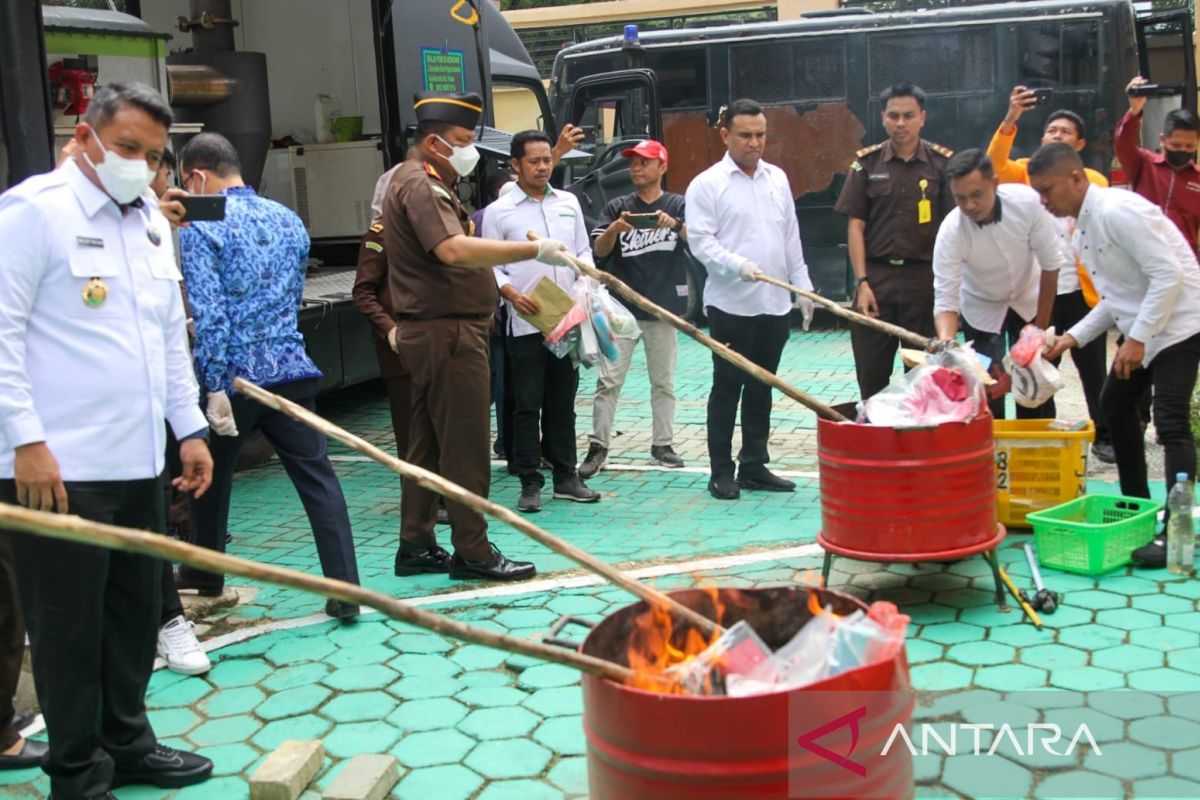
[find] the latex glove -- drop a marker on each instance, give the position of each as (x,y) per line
(553,252)
(749,271)
(220,414)
(391,338)
(807,307)
(941,345)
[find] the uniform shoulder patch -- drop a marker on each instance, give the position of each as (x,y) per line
(376,246)
(440,190)
(856,165)
(377,227)
(866,151)
(941,151)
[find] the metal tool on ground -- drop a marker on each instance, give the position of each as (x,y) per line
(1016,593)
(1043,599)
(453,491)
(724,351)
(903,334)
(76,529)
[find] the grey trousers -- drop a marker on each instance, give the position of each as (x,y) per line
(660,341)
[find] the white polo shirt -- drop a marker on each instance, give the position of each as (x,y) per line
(556,215)
(732,218)
(94,383)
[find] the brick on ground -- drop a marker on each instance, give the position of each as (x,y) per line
(365,777)
(287,771)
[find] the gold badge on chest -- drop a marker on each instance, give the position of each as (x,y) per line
(95,293)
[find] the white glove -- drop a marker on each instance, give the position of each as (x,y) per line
(391,338)
(806,306)
(749,271)
(552,252)
(220,414)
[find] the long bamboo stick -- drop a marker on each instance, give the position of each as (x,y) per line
(903,334)
(722,350)
(76,529)
(453,491)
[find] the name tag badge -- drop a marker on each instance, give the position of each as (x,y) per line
(924,212)
(89,241)
(878,176)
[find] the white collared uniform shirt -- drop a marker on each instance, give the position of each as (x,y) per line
(1143,269)
(556,216)
(94,384)
(981,271)
(734,218)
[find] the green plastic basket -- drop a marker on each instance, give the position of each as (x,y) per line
(1094,534)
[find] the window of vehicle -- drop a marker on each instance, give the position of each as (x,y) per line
(1058,54)
(789,71)
(939,61)
(682,74)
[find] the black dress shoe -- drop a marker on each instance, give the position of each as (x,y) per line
(31,755)
(496,568)
(763,478)
(723,487)
(205,584)
(105,796)
(341,611)
(414,562)
(166,768)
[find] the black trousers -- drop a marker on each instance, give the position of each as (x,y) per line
(1091,360)
(1172,374)
(905,298)
(760,339)
(93,616)
(302,451)
(995,346)
(12,644)
(543,418)
(172,606)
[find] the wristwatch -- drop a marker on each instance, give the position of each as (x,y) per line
(677,227)
(860,281)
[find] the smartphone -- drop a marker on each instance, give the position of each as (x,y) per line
(203,207)
(1154,90)
(1042,97)
(642,220)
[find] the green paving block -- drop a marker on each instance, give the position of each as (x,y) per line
(570,775)
(360,655)
(425,686)
(986,777)
(1165,733)
(879,580)
(366,632)
(981,653)
(230,788)
(577,605)
(1165,639)
(951,703)
(1186,764)
(430,748)
(228,702)
(294,676)
(1010,677)
(1092,637)
(1087,679)
(293,702)
(184,693)
(1187,588)
(952,633)
(563,735)
(1019,635)
(429,714)
(1053,656)
(930,613)
(1166,787)
(1187,660)
(521,789)
(940,676)
(1068,616)
(491,696)
(410,665)
(162,678)
(1130,619)
(1127,761)
(227,730)
(938,582)
(527,618)
(171,722)
(444,783)
(1127,658)
(919,651)
(1095,600)
(1104,728)
(294,650)
(350,739)
(1079,784)
(1130,585)
(359,706)
(370,676)
(421,643)
(508,758)
(927,768)
(16,777)
(1163,680)
(499,723)
(305,726)
(556,702)
(476,656)
(547,676)
(1164,604)
(1001,713)
(239,672)
(1127,705)
(966,598)
(1184,705)
(230,759)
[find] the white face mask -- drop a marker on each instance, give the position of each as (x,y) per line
(462,159)
(123,178)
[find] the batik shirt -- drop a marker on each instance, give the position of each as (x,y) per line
(245,278)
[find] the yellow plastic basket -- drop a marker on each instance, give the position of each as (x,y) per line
(1037,468)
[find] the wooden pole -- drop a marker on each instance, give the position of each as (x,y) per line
(76,529)
(722,350)
(904,335)
(453,491)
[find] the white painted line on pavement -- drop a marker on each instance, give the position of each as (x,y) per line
(620,468)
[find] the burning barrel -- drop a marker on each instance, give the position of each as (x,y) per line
(908,494)
(644,744)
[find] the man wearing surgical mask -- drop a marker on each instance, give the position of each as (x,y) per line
(1170,179)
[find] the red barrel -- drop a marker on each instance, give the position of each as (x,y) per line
(643,744)
(919,494)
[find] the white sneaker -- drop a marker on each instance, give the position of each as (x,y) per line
(178,647)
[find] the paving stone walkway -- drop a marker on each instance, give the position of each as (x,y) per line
(469,722)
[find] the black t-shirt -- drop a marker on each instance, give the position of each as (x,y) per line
(650,260)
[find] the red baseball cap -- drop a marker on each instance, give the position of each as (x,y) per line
(647,149)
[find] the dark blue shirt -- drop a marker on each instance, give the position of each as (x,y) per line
(245,278)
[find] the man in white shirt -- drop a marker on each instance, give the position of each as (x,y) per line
(986,265)
(544,386)
(93,358)
(1149,285)
(742,224)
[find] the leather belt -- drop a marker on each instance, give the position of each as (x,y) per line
(899,262)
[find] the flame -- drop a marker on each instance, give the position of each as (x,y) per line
(653,651)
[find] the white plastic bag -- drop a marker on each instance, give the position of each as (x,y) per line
(1034,384)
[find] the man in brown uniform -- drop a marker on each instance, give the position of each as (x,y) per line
(895,196)
(444,294)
